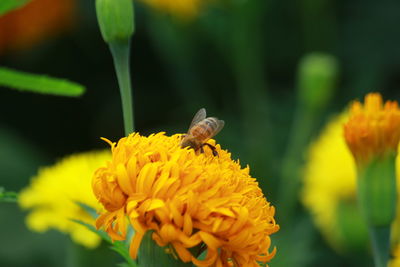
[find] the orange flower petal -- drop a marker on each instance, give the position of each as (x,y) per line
(135,243)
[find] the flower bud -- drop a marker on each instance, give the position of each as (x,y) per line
(317,74)
(372,134)
(116,19)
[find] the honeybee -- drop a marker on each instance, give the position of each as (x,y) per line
(201,130)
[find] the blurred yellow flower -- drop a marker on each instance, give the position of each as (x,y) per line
(52,195)
(181,8)
(188,199)
(395,262)
(37,20)
(329,188)
(373,129)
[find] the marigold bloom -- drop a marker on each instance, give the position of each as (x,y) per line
(373,129)
(330,182)
(181,8)
(35,21)
(53,193)
(187,199)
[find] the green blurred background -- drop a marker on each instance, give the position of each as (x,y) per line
(240,60)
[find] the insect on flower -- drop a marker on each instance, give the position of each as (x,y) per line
(201,130)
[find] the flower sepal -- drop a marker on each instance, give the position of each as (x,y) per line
(377,190)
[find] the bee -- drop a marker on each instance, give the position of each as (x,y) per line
(201,130)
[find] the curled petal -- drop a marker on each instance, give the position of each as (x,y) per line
(135,243)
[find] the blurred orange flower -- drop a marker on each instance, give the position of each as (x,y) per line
(37,20)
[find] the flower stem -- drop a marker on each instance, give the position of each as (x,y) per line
(301,130)
(120,52)
(380,238)
(248,64)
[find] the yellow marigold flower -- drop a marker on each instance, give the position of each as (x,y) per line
(187,199)
(330,181)
(181,8)
(33,22)
(373,129)
(53,193)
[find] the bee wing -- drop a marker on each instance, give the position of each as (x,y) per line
(199,116)
(220,125)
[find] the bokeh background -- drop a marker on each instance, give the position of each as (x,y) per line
(239,59)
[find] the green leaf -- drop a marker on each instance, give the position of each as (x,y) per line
(8,5)
(8,196)
(122,249)
(39,83)
(101,233)
(118,246)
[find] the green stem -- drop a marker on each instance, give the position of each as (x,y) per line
(380,238)
(249,69)
(121,56)
(301,130)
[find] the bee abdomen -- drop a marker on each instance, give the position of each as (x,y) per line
(205,129)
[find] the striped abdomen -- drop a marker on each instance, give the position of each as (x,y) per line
(205,129)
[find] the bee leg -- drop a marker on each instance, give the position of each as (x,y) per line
(213,149)
(201,149)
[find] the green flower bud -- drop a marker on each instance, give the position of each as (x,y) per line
(116,19)
(317,74)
